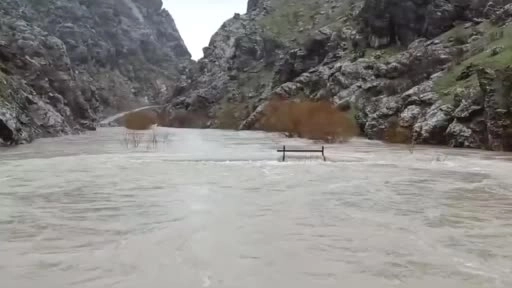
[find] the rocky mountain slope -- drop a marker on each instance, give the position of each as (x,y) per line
(65,64)
(429,72)
(426,72)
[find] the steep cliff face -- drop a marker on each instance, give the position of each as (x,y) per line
(429,71)
(235,71)
(407,69)
(252,54)
(401,22)
(66,64)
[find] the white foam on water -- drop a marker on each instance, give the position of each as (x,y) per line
(85,211)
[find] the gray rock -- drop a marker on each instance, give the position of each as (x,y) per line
(470,105)
(462,136)
(392,21)
(497,103)
(416,91)
(428,99)
(409,116)
(23,116)
(431,128)
(499,15)
(496,50)
(467,72)
(379,111)
(474,38)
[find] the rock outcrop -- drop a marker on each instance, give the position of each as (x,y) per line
(236,69)
(409,66)
(64,65)
(387,22)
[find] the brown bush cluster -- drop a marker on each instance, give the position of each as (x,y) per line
(186,119)
(397,134)
(140,120)
(231,115)
(311,120)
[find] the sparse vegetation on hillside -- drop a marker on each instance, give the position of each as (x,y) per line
(292,19)
(311,120)
(493,49)
(383,55)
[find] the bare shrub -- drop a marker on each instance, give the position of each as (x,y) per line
(140,120)
(149,138)
(132,138)
(187,119)
(142,128)
(460,37)
(496,35)
(458,56)
(311,120)
(231,115)
(397,134)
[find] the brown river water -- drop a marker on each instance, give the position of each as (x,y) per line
(207,208)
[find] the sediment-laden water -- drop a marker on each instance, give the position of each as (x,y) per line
(206,208)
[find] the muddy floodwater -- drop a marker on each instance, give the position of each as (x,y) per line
(208,208)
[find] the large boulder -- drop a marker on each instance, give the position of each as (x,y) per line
(431,127)
(467,135)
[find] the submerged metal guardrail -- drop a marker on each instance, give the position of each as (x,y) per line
(284,150)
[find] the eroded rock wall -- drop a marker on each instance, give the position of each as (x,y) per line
(64,65)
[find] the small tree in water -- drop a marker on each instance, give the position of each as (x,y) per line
(140,120)
(139,125)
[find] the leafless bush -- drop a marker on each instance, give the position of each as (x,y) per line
(458,57)
(496,35)
(460,37)
(150,138)
(132,138)
(140,120)
(231,115)
(311,120)
(186,119)
(397,134)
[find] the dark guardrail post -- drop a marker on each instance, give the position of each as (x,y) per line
(284,153)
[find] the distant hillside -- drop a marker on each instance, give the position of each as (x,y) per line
(431,72)
(66,64)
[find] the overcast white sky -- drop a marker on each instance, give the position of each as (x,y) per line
(197,20)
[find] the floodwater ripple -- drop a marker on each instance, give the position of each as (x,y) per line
(211,208)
